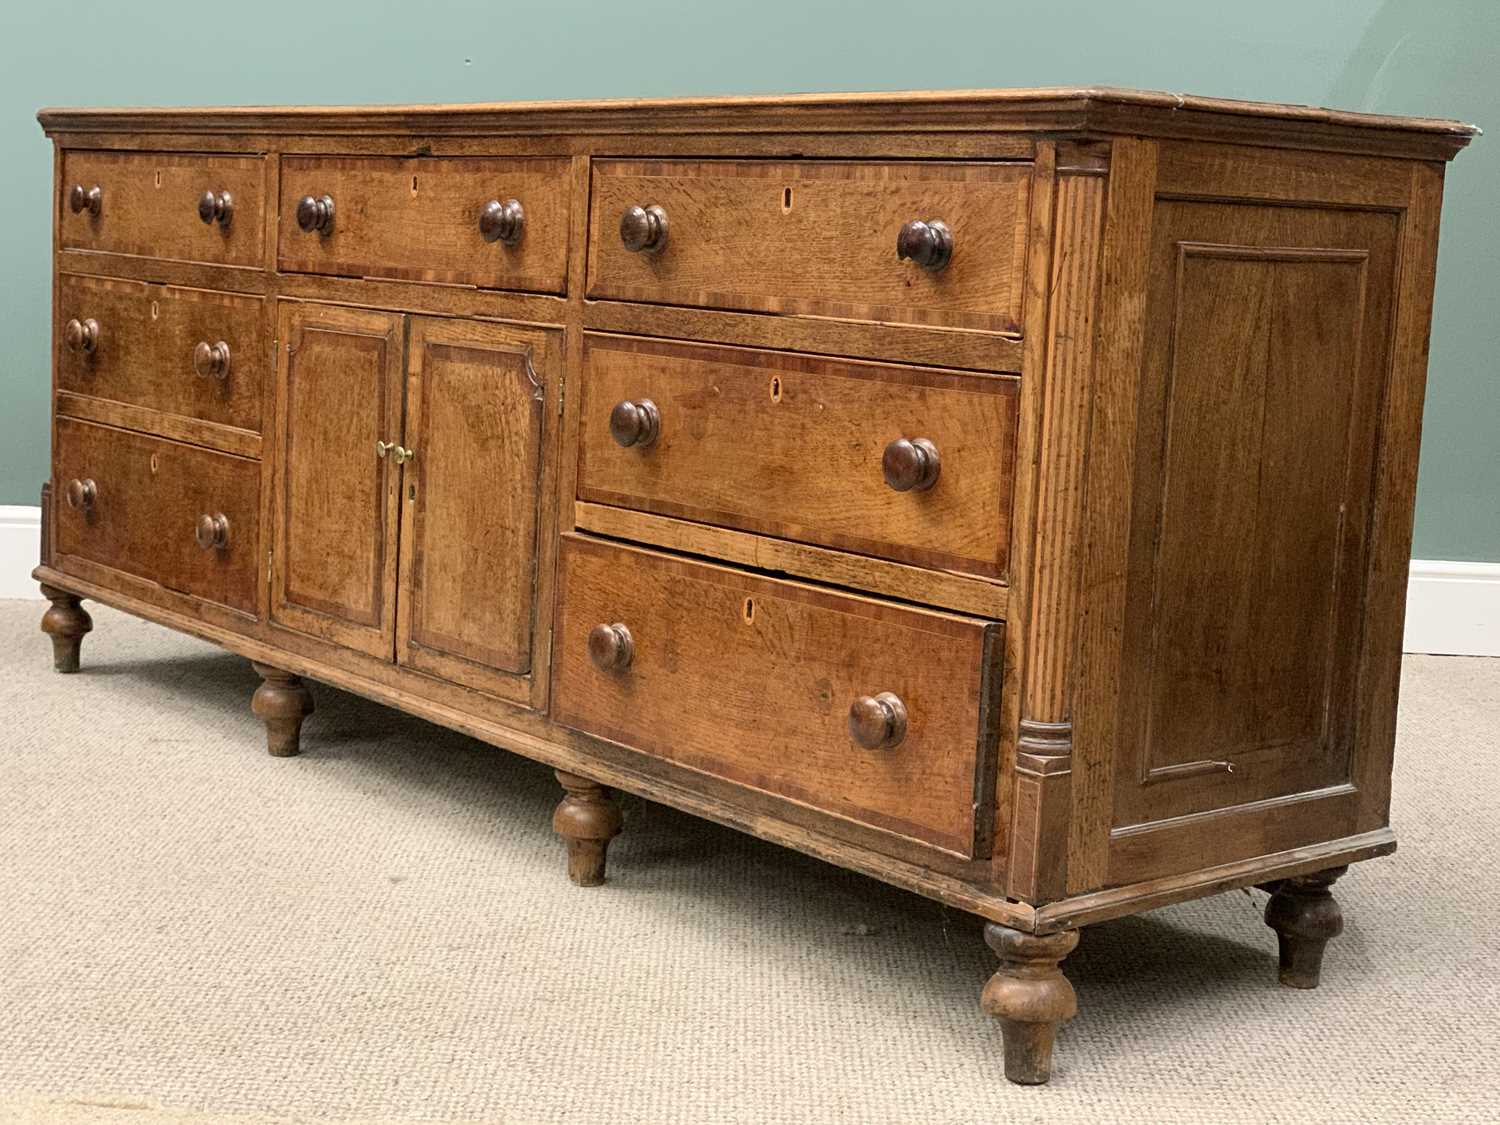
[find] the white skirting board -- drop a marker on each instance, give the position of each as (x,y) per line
(20,547)
(1451,607)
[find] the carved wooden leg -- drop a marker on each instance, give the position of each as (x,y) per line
(1305,916)
(282,701)
(1030,996)
(66,621)
(587,819)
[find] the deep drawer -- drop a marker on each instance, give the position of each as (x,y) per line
(752,679)
(148,203)
(795,446)
(816,237)
(134,504)
(420,218)
(191,352)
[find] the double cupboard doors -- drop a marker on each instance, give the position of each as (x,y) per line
(408,480)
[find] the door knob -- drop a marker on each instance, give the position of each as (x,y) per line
(635,423)
(82,199)
(611,647)
(211,359)
(911,465)
(315,213)
(502,222)
(644,229)
(878,722)
(929,244)
(81,335)
(82,494)
(216,206)
(212,532)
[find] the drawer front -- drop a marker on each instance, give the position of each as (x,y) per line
(420,219)
(191,352)
(142,512)
(752,679)
(816,237)
(795,447)
(148,203)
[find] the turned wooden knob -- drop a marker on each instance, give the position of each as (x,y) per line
(82,199)
(644,229)
(910,464)
(502,222)
(81,335)
(211,360)
(635,423)
(315,213)
(216,207)
(82,494)
(611,647)
(212,532)
(878,722)
(929,244)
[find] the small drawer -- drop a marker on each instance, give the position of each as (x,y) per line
(754,680)
(185,206)
(486,222)
(183,517)
(191,352)
(815,237)
(904,463)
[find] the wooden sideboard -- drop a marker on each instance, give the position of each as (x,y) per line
(1007,495)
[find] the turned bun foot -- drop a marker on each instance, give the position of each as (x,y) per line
(281,702)
(66,621)
(587,819)
(1030,997)
(1305,916)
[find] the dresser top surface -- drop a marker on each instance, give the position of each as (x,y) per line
(1063,111)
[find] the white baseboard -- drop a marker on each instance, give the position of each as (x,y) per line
(20,547)
(1451,607)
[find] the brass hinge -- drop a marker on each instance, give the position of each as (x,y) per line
(268,569)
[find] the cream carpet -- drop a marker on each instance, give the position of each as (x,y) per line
(382,930)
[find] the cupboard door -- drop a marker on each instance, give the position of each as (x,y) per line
(336,499)
(469,538)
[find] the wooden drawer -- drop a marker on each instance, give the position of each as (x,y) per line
(148,204)
(147,498)
(816,237)
(138,343)
(793,446)
(752,679)
(420,219)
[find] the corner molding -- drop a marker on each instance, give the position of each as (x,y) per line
(20,547)
(1453,608)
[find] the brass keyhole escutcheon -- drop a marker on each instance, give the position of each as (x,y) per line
(748,612)
(775,388)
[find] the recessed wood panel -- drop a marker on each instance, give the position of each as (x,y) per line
(418,218)
(1267,356)
(147,336)
(148,495)
(469,548)
(149,205)
(791,446)
(751,679)
(816,237)
(338,394)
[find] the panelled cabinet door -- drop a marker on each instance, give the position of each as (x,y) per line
(336,502)
(475,400)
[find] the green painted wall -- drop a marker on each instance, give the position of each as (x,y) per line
(1435,57)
